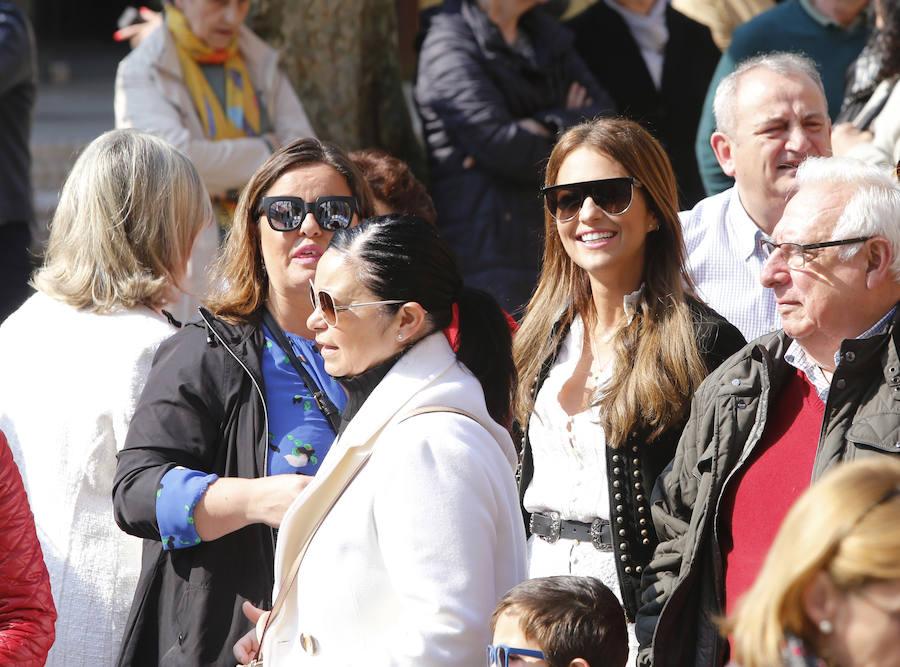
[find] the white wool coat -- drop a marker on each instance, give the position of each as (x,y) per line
(410,562)
(69,383)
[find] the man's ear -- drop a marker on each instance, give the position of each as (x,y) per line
(879,257)
(723,147)
(579,662)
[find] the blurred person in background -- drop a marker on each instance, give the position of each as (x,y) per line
(831,33)
(207,84)
(18,84)
(868,127)
(663,64)
(722,16)
(75,357)
(497,80)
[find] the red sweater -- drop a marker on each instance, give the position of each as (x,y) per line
(768,484)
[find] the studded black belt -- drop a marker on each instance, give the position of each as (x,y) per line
(550,528)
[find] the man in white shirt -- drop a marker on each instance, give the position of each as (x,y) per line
(771,114)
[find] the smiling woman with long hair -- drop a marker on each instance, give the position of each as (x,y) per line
(609,353)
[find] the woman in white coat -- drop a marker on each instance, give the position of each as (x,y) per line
(75,358)
(420,530)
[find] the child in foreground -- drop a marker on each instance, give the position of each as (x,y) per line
(562,621)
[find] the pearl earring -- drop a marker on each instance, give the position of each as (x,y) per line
(399,336)
(825,627)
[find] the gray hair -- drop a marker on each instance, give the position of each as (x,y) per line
(873,208)
(127,218)
(782,62)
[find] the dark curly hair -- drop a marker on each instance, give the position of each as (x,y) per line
(393,183)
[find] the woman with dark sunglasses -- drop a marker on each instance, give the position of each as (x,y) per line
(237,415)
(412,531)
(611,349)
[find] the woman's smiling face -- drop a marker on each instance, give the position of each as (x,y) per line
(610,248)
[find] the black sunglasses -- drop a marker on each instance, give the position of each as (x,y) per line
(613,195)
(285,214)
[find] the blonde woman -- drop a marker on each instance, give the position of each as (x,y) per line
(829,589)
(75,357)
(609,353)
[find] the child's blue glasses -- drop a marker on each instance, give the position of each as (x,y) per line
(498,656)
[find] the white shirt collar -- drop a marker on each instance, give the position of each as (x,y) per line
(743,230)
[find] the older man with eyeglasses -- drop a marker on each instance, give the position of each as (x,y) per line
(782,411)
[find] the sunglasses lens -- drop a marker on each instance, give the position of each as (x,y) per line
(569,203)
(284,215)
(613,195)
(326,303)
(502,657)
(332,214)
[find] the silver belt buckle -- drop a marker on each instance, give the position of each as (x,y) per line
(597,536)
(554,528)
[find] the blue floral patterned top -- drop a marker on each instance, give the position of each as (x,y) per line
(299,437)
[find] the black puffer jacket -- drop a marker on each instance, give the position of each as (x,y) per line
(471,90)
(632,470)
(203,408)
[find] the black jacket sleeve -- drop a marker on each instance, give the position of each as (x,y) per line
(177,422)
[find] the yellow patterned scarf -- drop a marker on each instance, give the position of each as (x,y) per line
(241,116)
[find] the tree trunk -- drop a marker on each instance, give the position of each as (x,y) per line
(342,58)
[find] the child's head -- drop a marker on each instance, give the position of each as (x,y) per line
(567,618)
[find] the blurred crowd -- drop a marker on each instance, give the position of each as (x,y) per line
(602,367)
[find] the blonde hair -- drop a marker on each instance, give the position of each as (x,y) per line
(845,525)
(127,218)
(239,275)
(657,364)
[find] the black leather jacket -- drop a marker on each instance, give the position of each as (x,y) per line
(632,470)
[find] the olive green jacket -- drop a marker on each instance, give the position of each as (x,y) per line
(683,586)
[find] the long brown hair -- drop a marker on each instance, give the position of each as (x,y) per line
(657,365)
(240,282)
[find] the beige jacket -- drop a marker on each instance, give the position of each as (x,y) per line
(151,95)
